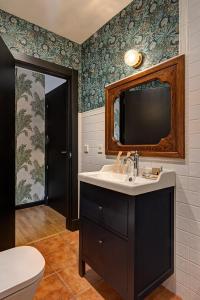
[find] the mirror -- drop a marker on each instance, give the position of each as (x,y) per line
(142,114)
(146,111)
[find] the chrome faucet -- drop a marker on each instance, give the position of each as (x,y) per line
(135,161)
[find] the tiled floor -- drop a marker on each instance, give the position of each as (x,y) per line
(61,280)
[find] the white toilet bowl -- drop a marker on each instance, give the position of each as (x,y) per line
(21,270)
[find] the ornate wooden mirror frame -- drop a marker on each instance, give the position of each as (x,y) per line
(172,72)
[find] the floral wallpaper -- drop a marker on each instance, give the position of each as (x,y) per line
(30,136)
(147,25)
(25,37)
(151,26)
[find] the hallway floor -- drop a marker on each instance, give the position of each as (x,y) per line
(61,280)
(37,222)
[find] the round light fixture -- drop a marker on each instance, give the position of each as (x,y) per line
(133,58)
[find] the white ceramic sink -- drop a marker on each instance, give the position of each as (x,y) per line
(110,176)
(120,182)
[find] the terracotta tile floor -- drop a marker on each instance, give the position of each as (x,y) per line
(61,280)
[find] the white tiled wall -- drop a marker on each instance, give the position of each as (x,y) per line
(186,281)
(93,132)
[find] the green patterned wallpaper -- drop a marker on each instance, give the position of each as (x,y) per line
(147,25)
(30,136)
(25,37)
(150,26)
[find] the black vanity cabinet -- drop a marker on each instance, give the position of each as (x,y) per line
(127,240)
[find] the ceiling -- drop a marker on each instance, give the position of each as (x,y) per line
(76,20)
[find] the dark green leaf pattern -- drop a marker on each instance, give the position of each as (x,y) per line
(148,26)
(22,87)
(23,158)
(37,173)
(30,136)
(23,192)
(38,106)
(38,140)
(25,37)
(23,122)
(39,77)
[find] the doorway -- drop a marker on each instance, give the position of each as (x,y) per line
(8,145)
(41,155)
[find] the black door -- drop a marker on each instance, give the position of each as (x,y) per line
(57,178)
(7,148)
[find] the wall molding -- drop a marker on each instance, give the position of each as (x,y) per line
(30,204)
(93,112)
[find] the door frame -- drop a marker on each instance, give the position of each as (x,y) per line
(7,147)
(71,75)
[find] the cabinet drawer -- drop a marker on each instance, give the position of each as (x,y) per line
(106,253)
(105,207)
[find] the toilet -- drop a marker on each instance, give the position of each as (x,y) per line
(21,270)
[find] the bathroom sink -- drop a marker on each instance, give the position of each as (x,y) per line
(110,176)
(120,182)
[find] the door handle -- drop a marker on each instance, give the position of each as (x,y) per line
(69,154)
(63,152)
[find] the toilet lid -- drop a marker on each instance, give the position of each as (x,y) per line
(19,267)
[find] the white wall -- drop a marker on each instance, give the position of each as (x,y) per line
(186,281)
(92,133)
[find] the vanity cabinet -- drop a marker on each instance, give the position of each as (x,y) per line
(127,240)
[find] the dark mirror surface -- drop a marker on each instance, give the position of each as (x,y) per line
(142,115)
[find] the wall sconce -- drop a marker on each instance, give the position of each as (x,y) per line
(133,58)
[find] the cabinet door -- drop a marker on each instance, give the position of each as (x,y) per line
(92,248)
(105,207)
(154,236)
(106,254)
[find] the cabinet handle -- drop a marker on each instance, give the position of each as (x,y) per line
(100,208)
(63,152)
(100,242)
